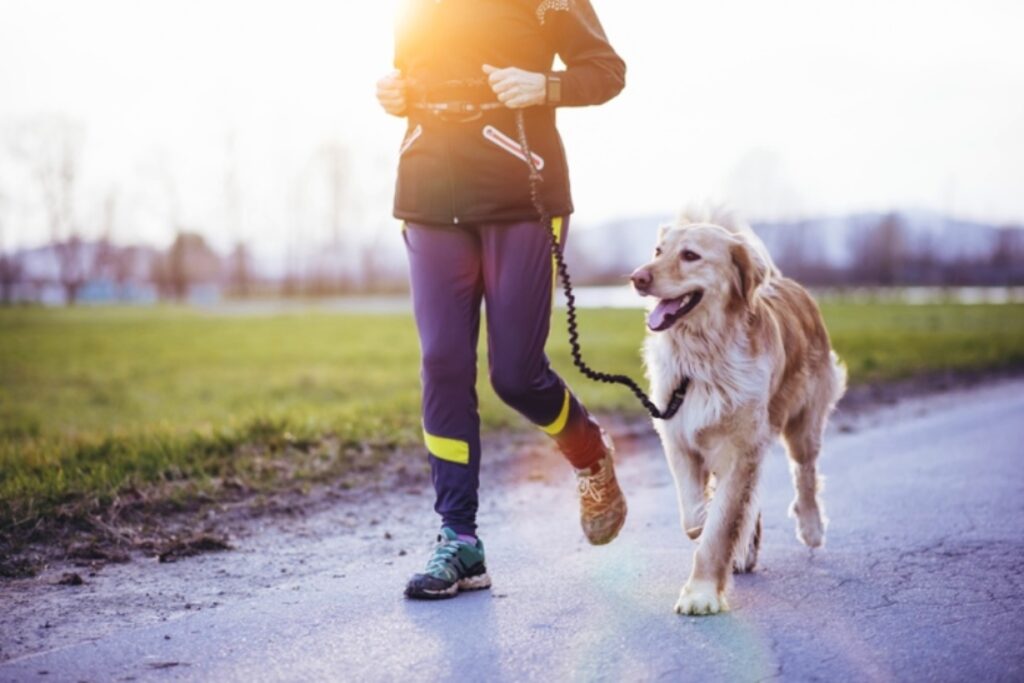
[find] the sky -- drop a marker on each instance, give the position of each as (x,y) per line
(225,116)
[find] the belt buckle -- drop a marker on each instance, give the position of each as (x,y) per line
(459,112)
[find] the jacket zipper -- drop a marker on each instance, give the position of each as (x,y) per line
(442,129)
(451,180)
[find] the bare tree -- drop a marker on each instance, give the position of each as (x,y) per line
(188,261)
(889,246)
(879,251)
(105,255)
(51,148)
(11,272)
(336,162)
(331,269)
(11,267)
(240,270)
(1007,259)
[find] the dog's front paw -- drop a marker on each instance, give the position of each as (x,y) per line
(700,597)
(693,520)
(810,524)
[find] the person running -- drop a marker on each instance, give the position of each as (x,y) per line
(472,234)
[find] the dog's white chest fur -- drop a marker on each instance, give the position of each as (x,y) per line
(724,377)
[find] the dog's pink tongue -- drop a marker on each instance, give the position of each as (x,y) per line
(660,316)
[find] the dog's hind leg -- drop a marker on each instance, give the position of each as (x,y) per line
(802,435)
(745,558)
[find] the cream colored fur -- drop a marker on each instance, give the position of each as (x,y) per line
(760,366)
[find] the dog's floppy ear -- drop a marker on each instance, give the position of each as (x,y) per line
(663,230)
(749,274)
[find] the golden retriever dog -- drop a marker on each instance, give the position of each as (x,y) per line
(761,366)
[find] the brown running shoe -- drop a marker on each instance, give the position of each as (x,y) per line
(602,505)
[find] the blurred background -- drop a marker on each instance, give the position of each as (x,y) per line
(218,151)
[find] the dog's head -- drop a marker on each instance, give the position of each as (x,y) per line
(699,270)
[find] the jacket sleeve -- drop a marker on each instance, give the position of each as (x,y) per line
(594,71)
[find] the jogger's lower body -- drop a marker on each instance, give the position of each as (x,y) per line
(453,269)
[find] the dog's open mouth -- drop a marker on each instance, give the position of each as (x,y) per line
(668,311)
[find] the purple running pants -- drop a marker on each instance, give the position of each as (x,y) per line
(508,266)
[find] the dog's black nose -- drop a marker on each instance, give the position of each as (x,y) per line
(641,279)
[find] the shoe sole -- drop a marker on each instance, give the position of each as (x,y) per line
(613,534)
(470,583)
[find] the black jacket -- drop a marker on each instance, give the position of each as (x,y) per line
(465,169)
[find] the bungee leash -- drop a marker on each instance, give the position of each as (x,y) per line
(676,399)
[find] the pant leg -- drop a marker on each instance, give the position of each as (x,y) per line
(445,274)
(518,278)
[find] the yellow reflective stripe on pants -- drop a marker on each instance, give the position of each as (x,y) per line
(556,227)
(443,448)
(558,425)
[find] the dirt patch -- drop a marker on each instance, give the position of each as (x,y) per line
(71,579)
(189,547)
(180,518)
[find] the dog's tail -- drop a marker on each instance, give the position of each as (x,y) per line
(838,379)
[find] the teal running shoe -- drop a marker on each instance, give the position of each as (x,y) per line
(455,565)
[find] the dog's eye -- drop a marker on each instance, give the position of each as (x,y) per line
(657,251)
(688,255)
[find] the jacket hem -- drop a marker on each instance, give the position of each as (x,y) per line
(470,219)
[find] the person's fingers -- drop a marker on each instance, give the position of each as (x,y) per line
(390,84)
(488,69)
(393,107)
(501,75)
(504,86)
(391,97)
(506,96)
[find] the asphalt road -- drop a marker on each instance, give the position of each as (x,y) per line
(921,579)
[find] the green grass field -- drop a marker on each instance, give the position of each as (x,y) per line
(94,402)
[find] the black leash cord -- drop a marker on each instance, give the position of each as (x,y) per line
(676,400)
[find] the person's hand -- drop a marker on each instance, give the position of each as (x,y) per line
(516,88)
(391,93)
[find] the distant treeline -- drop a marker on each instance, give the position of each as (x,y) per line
(883,250)
(189,269)
(891,252)
(891,249)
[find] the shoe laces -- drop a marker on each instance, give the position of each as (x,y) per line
(444,553)
(587,485)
